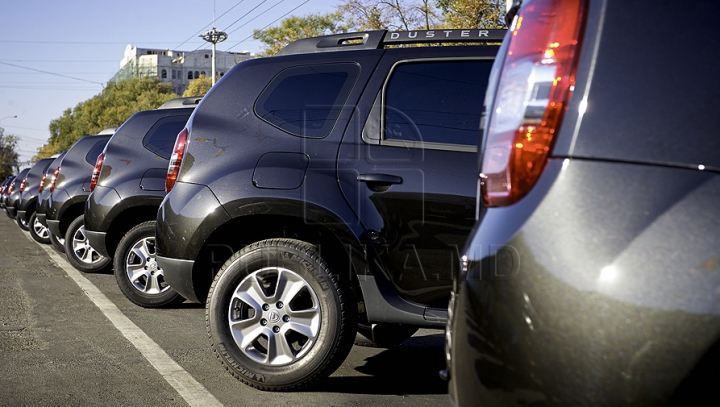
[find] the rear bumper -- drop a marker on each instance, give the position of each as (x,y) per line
(11,211)
(41,217)
(54,227)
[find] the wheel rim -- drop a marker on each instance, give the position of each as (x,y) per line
(82,249)
(274,316)
(24,222)
(40,230)
(142,269)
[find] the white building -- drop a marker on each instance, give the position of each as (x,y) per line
(176,67)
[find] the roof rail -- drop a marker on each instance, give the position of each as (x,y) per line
(181,102)
(381,38)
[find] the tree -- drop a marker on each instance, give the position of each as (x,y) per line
(473,13)
(8,154)
(115,104)
(402,15)
(198,87)
(295,28)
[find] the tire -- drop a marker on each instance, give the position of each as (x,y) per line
(24,225)
(38,231)
(79,252)
(57,243)
(136,270)
(314,317)
(383,335)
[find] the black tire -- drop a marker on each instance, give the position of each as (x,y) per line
(383,335)
(22,222)
(57,243)
(328,322)
(136,270)
(38,231)
(78,250)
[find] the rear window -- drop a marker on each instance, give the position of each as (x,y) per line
(161,137)
(94,152)
(436,102)
(306,100)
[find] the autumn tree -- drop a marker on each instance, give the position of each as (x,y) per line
(295,28)
(115,104)
(396,15)
(8,154)
(487,14)
(198,87)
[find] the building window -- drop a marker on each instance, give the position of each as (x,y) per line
(207,56)
(203,73)
(173,74)
(197,74)
(189,74)
(221,74)
(163,74)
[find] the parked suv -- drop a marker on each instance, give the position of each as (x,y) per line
(128,185)
(13,195)
(42,201)
(3,187)
(69,188)
(38,230)
(592,275)
(334,184)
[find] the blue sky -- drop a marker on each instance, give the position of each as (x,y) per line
(55,54)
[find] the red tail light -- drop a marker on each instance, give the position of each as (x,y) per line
(54,179)
(42,183)
(22,185)
(536,81)
(10,189)
(96,171)
(176,160)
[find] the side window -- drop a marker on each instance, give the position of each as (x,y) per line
(161,137)
(94,152)
(306,100)
(435,102)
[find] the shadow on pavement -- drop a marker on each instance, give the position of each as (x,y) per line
(410,368)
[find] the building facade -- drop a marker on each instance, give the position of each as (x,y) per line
(176,67)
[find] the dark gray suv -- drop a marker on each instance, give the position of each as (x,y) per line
(592,277)
(324,191)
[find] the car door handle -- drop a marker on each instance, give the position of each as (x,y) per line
(379,182)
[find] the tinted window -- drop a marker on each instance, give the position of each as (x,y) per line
(437,102)
(161,137)
(306,100)
(95,151)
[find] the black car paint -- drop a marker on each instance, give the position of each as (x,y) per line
(27,201)
(11,199)
(43,200)
(600,286)
(67,201)
(222,201)
(131,184)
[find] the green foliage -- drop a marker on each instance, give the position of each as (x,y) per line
(8,154)
(198,87)
(487,14)
(115,104)
(392,15)
(294,28)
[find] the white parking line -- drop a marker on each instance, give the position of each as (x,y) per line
(193,392)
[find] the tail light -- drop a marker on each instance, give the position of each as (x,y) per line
(176,160)
(54,179)
(536,81)
(96,171)
(10,189)
(22,185)
(42,183)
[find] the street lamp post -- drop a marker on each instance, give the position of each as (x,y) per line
(8,117)
(214,36)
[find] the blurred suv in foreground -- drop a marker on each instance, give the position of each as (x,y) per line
(592,276)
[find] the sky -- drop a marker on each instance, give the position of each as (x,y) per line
(56,54)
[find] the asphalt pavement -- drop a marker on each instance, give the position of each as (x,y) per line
(73,339)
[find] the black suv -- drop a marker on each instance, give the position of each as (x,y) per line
(28,192)
(592,276)
(128,185)
(13,193)
(69,188)
(334,184)
(38,228)
(3,187)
